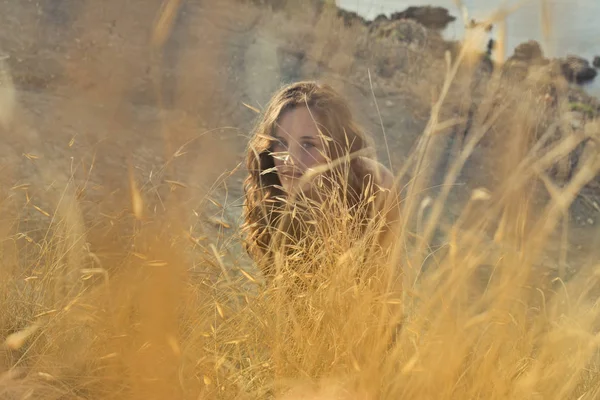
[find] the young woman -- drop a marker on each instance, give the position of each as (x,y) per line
(308,156)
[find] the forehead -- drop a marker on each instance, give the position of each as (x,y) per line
(297,122)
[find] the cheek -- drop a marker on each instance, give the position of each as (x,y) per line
(314,158)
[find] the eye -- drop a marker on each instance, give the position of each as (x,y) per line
(278,145)
(308,145)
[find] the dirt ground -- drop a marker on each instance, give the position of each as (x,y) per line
(93,94)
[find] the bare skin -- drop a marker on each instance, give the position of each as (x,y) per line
(300,147)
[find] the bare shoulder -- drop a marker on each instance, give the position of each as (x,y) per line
(383,177)
(387,201)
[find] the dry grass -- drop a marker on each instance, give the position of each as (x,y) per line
(133,301)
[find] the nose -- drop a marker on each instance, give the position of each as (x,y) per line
(291,158)
(282,156)
(297,156)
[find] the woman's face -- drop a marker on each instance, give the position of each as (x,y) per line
(297,147)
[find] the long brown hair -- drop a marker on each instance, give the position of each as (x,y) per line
(263,206)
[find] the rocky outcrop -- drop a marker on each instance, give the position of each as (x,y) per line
(577,69)
(402,32)
(381,18)
(428,16)
(392,44)
(525,55)
(530,51)
(436,18)
(350,17)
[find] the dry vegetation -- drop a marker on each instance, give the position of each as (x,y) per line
(129,283)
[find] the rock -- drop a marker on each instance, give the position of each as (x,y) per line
(392,45)
(528,52)
(581,101)
(428,16)
(575,119)
(577,69)
(526,56)
(350,17)
(551,69)
(381,18)
(596,62)
(402,31)
(515,70)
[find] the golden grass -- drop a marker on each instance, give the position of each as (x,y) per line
(133,301)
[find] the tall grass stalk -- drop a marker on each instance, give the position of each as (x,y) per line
(135,302)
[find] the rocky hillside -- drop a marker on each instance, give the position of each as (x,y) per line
(100,86)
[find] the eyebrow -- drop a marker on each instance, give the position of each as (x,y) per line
(275,136)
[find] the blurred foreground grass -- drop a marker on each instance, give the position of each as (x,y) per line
(138,296)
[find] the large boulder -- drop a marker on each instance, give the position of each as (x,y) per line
(596,62)
(525,55)
(428,16)
(529,51)
(577,69)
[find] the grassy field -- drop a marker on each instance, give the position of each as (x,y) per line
(121,269)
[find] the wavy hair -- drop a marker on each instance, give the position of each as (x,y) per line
(264,204)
